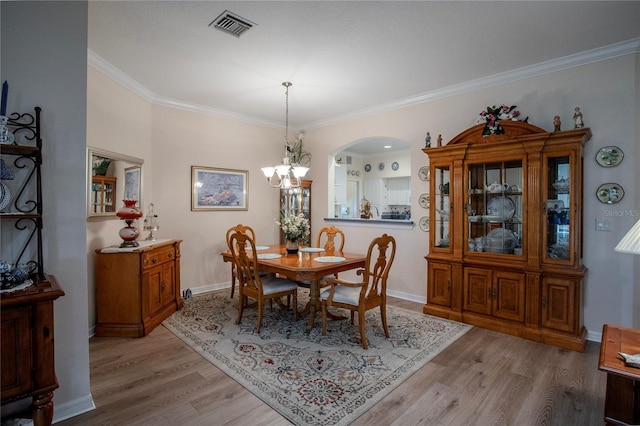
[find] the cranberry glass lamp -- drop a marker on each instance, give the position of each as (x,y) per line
(129,213)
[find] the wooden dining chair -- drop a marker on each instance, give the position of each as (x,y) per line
(371,292)
(327,240)
(252,285)
(245,229)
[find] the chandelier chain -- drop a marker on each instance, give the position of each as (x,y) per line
(286,118)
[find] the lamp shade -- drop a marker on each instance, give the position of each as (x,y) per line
(630,243)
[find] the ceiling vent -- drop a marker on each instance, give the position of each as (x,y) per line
(231,23)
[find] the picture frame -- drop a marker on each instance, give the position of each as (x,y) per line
(132,183)
(219,189)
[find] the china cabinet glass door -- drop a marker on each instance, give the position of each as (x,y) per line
(557,234)
(442,204)
(494,207)
(294,201)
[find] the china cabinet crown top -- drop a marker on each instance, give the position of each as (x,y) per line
(513,130)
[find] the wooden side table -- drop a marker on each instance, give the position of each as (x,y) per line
(622,401)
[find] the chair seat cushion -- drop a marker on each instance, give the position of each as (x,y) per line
(272,285)
(343,294)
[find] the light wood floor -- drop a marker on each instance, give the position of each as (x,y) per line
(484,378)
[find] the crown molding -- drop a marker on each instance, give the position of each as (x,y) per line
(604,53)
(100,64)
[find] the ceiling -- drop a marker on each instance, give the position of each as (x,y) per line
(344,58)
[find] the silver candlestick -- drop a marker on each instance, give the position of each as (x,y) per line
(151,224)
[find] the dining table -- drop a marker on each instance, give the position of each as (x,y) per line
(308,264)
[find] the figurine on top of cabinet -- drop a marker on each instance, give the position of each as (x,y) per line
(556,123)
(427,141)
(577,118)
(439,140)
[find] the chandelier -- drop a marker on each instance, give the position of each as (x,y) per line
(285,175)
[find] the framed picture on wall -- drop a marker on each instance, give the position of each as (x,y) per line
(219,189)
(132,178)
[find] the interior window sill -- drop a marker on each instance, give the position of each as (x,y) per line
(372,222)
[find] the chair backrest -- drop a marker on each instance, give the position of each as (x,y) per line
(380,255)
(245,229)
(327,239)
(247,267)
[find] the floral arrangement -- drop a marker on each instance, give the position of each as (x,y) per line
(494,114)
(295,227)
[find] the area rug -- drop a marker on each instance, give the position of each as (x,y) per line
(308,378)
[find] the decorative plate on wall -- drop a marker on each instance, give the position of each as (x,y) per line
(424,223)
(609,156)
(424,200)
(367,168)
(610,193)
(395,166)
(381,166)
(423,173)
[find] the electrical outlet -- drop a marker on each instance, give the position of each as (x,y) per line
(603,224)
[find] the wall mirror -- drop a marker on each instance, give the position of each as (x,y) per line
(112,177)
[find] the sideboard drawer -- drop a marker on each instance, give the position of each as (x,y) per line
(158,256)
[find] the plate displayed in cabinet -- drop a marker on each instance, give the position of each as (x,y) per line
(501,207)
(610,193)
(555,205)
(609,156)
(423,173)
(424,200)
(424,223)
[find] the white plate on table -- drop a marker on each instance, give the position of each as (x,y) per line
(269,255)
(259,248)
(311,249)
(329,259)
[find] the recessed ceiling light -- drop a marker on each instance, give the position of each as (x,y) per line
(387,147)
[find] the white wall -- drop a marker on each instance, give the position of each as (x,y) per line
(44,57)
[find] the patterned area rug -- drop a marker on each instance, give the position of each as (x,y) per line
(308,378)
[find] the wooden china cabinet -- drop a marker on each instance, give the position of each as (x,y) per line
(103,193)
(505,242)
(296,201)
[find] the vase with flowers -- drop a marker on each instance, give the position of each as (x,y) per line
(492,116)
(295,227)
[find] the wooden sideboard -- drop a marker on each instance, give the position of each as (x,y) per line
(137,288)
(28,365)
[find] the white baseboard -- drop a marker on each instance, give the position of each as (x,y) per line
(210,287)
(73,408)
(407,296)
